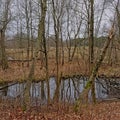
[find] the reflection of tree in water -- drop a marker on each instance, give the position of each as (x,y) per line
(76,84)
(3,92)
(112,86)
(43,97)
(70,89)
(62,90)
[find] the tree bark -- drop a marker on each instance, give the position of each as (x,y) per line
(4,61)
(91,47)
(95,70)
(41,37)
(56,29)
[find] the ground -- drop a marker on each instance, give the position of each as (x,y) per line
(18,71)
(101,111)
(18,66)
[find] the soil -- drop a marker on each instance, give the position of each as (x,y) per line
(100,111)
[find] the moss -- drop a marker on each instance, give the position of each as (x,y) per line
(88,85)
(76,106)
(3,81)
(24,108)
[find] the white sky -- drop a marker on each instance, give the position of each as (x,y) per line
(107,16)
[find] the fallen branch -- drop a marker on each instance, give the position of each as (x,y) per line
(6,86)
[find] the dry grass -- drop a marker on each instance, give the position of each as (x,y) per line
(18,71)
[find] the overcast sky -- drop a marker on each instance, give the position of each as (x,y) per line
(105,23)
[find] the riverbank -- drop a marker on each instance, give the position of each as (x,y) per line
(18,71)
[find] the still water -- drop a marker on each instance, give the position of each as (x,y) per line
(70,89)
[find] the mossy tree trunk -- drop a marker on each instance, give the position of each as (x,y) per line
(118,18)
(27,94)
(41,43)
(94,71)
(43,10)
(56,30)
(90,30)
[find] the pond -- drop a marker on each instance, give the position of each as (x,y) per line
(70,89)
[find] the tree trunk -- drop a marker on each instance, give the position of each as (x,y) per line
(4,61)
(56,29)
(91,46)
(27,96)
(28,30)
(41,37)
(95,70)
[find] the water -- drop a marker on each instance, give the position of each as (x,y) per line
(70,89)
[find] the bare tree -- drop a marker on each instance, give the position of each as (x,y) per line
(95,69)
(27,16)
(57,14)
(74,24)
(41,39)
(4,20)
(43,36)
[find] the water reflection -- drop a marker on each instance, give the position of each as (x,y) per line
(5,90)
(70,89)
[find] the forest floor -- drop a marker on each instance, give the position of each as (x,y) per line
(100,111)
(18,70)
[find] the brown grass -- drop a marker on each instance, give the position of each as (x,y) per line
(18,71)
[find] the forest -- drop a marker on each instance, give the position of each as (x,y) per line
(59,59)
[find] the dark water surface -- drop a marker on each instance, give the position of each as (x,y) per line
(70,89)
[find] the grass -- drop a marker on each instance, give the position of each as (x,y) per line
(18,71)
